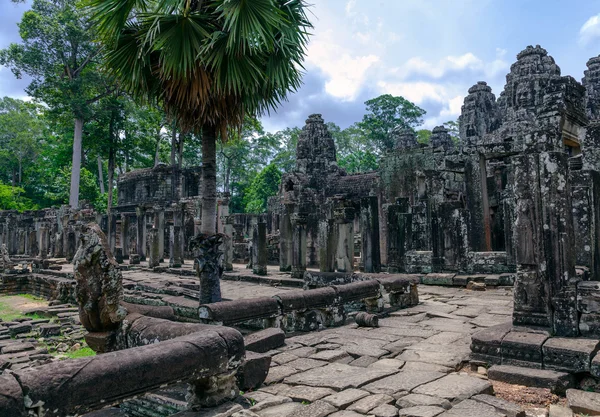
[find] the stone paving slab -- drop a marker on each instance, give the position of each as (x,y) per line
(402,381)
(455,387)
(338,376)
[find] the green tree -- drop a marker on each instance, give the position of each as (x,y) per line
(356,151)
(21,130)
(11,198)
(263,186)
(58,51)
(208,63)
(384,114)
(424,136)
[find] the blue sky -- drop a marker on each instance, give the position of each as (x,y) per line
(429,51)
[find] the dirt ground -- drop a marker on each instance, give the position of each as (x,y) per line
(14,305)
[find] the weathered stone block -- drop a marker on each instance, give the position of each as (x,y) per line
(253,371)
(486,345)
(523,348)
(558,382)
(438,279)
(584,402)
(570,355)
(265,340)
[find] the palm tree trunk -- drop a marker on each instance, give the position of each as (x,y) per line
(209,180)
(76,165)
(209,257)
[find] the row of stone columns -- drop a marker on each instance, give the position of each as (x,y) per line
(335,238)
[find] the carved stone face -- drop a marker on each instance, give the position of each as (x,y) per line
(525,97)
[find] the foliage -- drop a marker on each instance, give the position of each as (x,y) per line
(424,136)
(263,186)
(384,114)
(356,152)
(206,62)
(58,192)
(11,198)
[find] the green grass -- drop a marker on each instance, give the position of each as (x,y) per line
(7,313)
(32,297)
(81,353)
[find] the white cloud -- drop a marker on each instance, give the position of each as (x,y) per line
(346,72)
(590,30)
(417,92)
(350,8)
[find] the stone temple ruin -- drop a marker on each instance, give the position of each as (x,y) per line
(513,202)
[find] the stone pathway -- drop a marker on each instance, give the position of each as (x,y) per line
(406,367)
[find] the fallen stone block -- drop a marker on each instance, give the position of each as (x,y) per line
(19,328)
(253,371)
(48,330)
(558,382)
(558,411)
(438,279)
(265,340)
(584,402)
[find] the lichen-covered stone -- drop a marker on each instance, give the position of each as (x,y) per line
(99,283)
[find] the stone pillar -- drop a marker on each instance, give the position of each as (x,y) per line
(399,240)
(21,235)
(449,238)
(11,227)
(369,231)
(477,203)
(298,221)
(154,255)
(344,219)
(125,235)
(160,225)
(238,236)
(179,231)
(228,244)
(259,246)
(175,247)
(285,240)
(545,289)
(141,233)
(112,232)
(327,245)
(43,243)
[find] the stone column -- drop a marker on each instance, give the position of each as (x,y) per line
(298,221)
(327,245)
(228,244)
(21,235)
(344,219)
(545,289)
(112,232)
(449,237)
(125,235)
(141,232)
(369,231)
(399,240)
(259,246)
(33,243)
(477,203)
(43,243)
(175,247)
(179,231)
(160,225)
(285,240)
(154,255)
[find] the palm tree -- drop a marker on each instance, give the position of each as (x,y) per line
(209,63)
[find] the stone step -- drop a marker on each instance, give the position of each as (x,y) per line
(558,382)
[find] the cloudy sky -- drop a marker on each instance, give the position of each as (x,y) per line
(428,51)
